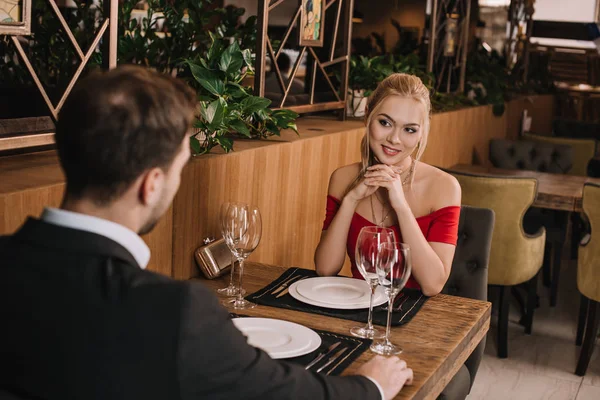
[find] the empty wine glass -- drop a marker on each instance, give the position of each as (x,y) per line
(393,271)
(243,229)
(367,250)
(231,289)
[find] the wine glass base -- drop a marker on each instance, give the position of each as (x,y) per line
(385,349)
(230,291)
(367,333)
(236,304)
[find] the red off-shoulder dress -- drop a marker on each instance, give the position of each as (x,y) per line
(439,226)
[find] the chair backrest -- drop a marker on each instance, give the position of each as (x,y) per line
(530,155)
(583,150)
(576,129)
(515,256)
(469,274)
(588,267)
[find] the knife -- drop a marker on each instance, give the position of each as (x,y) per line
(284,284)
(323,354)
(332,359)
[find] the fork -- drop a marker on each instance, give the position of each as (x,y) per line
(285,284)
(399,307)
(287,290)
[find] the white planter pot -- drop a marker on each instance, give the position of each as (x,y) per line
(356,103)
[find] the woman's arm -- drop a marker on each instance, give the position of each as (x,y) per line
(431,262)
(331,250)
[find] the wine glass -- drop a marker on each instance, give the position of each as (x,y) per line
(393,271)
(367,250)
(243,229)
(231,289)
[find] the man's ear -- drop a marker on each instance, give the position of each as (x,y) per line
(151,186)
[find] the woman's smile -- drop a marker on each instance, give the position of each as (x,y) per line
(390,151)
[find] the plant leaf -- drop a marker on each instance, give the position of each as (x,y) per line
(195,145)
(247,54)
(225,142)
(214,114)
(232,59)
(253,104)
(207,79)
(240,127)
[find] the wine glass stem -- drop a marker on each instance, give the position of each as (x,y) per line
(389,318)
(241,272)
(231,284)
(370,319)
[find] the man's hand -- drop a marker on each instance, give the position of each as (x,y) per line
(391,373)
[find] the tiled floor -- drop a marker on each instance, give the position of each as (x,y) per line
(541,365)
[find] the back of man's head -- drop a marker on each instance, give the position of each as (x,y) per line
(118,124)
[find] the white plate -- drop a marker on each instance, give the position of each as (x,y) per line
(335,290)
(278,338)
(379,298)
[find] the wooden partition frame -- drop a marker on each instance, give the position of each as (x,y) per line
(264,47)
(108,31)
(436,61)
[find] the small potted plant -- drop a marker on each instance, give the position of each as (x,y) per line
(228,110)
(365,75)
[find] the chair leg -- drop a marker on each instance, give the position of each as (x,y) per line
(583,309)
(576,231)
(589,339)
(556,263)
(531,303)
(547,265)
(504,304)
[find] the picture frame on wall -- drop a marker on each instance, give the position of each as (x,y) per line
(15,17)
(312,23)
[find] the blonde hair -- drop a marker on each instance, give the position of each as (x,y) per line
(404,85)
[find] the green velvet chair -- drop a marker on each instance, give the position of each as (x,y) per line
(515,256)
(588,279)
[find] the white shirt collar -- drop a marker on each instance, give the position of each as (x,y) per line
(116,232)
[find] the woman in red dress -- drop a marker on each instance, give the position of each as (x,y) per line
(390,187)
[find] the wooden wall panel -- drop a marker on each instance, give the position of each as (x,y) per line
(30,182)
(287,181)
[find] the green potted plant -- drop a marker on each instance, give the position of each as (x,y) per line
(228,110)
(365,75)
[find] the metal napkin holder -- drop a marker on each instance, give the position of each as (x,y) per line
(213,258)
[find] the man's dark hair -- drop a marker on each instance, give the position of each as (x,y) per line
(118,124)
(284,62)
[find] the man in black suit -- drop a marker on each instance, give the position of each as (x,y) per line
(82,319)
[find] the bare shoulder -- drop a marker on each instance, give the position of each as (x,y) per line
(341,178)
(440,186)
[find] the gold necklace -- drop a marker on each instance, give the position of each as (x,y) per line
(410,172)
(383,217)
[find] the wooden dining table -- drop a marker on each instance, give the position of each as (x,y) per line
(554,191)
(436,342)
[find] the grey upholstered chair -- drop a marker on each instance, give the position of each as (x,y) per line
(469,278)
(530,155)
(542,157)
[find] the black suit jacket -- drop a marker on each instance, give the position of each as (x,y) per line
(80,320)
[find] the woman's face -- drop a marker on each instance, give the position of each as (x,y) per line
(396,129)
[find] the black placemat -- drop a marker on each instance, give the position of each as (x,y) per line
(354,347)
(406,304)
